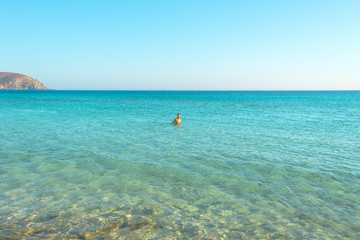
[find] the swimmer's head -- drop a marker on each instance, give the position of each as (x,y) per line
(179,115)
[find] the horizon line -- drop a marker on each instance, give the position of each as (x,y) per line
(191,90)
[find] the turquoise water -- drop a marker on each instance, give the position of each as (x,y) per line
(243,165)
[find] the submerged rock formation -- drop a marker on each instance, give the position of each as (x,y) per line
(16,81)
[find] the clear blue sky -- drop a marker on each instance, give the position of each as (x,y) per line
(182,45)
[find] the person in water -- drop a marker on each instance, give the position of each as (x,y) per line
(177,121)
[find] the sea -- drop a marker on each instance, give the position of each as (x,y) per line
(243,165)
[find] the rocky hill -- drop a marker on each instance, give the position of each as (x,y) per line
(16,81)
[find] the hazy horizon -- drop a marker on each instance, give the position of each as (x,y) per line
(183,45)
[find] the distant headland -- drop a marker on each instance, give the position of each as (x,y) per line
(17,81)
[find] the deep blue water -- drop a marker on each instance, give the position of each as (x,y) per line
(243,165)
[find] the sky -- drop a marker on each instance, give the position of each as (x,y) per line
(183,44)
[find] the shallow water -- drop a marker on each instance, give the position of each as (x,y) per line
(243,165)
